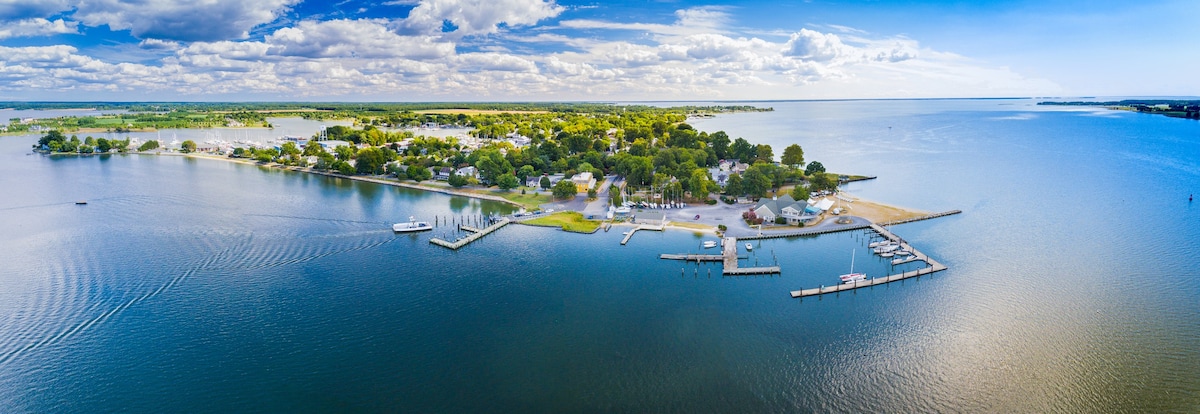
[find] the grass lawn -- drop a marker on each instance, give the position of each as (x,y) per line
(567,220)
(529,200)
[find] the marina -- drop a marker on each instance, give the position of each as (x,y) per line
(892,240)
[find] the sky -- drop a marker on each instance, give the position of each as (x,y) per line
(566,50)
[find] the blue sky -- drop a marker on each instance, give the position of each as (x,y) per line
(504,50)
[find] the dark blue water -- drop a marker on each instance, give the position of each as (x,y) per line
(199,285)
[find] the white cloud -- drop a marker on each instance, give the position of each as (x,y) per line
(11,10)
(494,62)
(37,27)
(206,20)
(352,38)
(813,45)
(701,20)
(476,17)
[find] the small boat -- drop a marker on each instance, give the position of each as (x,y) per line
(708,244)
(886,248)
(81,203)
(749,246)
(411,226)
(903,253)
(879,243)
(852,277)
(887,254)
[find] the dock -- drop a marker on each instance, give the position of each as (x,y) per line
(475,235)
(933,267)
(728,257)
(659,227)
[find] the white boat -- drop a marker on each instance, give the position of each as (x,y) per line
(887,254)
(749,246)
(879,243)
(903,252)
(411,226)
(708,244)
(852,277)
(886,248)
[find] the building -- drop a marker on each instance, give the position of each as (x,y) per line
(791,210)
(468,172)
(584,181)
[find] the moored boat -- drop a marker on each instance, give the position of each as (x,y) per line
(708,244)
(749,246)
(411,226)
(852,277)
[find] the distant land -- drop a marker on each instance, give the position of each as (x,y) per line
(1189,109)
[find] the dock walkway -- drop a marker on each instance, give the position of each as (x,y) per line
(475,235)
(659,227)
(933,267)
(729,259)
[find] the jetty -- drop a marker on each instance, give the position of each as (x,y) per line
(628,236)
(728,257)
(476,234)
(933,266)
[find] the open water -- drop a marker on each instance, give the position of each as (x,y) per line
(205,286)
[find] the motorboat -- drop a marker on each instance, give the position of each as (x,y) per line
(749,246)
(411,226)
(887,248)
(708,244)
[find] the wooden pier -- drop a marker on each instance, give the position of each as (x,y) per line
(642,227)
(475,235)
(729,259)
(934,266)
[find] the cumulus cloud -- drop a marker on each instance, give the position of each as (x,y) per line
(699,20)
(37,27)
(476,17)
(352,38)
(813,45)
(12,10)
(208,20)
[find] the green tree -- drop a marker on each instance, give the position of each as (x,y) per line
(313,149)
(800,192)
(524,173)
(148,145)
(370,161)
(456,180)
(743,150)
(491,164)
(343,168)
(103,145)
(764,153)
(698,183)
(592,192)
(52,136)
(345,152)
(793,156)
(187,146)
(544,183)
(720,144)
(418,173)
(733,185)
(821,181)
(507,181)
(289,149)
(755,183)
(564,189)
(814,167)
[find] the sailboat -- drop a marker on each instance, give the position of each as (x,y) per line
(852,277)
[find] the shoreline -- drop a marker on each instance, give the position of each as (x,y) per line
(336,175)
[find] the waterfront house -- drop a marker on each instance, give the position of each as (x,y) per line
(785,206)
(653,218)
(468,172)
(584,181)
(442,173)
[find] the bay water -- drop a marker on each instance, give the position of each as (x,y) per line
(207,286)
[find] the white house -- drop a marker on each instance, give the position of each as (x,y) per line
(468,171)
(787,207)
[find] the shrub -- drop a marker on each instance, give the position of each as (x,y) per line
(780,220)
(722,227)
(710,201)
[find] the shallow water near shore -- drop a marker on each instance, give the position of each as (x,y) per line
(200,285)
